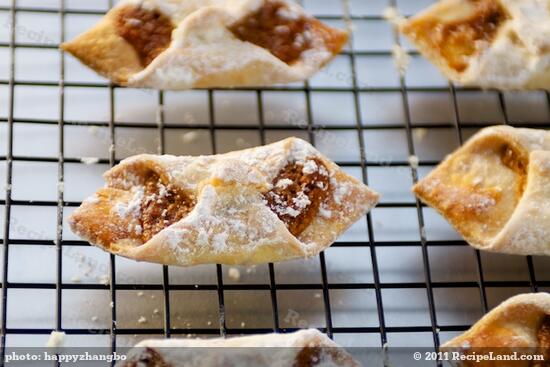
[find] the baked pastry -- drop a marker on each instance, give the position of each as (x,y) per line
(182,44)
(495,190)
(503,44)
(266,204)
(300,349)
(521,324)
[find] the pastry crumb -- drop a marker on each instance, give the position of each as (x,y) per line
(420,133)
(413,161)
(140,294)
(56,339)
(190,137)
(241,143)
(392,15)
(401,58)
(156,311)
(188,118)
(317,295)
(75,279)
(94,318)
(243,324)
(112,304)
(104,279)
(142,320)
(93,129)
(234,274)
(89,160)
(209,323)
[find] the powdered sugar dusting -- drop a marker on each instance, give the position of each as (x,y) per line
(301,200)
(341,190)
(289,13)
(232,213)
(219,242)
(310,167)
(133,207)
(233,171)
(283,183)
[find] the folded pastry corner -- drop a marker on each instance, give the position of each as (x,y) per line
(503,44)
(520,324)
(495,190)
(186,44)
(303,348)
(266,204)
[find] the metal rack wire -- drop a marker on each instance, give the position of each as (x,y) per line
(273,287)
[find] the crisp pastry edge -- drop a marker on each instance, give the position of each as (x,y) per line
(505,240)
(510,315)
(119,62)
(156,250)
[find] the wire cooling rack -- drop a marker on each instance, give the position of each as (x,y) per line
(401,276)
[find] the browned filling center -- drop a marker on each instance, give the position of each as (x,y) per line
(277,28)
(308,357)
(543,336)
(148,357)
(298,192)
(517,162)
(148,31)
(460,39)
(161,206)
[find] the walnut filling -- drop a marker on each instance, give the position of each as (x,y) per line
(161,206)
(148,31)
(285,33)
(457,40)
(307,357)
(149,357)
(298,192)
(517,162)
(543,337)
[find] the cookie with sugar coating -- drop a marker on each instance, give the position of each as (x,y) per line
(303,348)
(520,324)
(503,44)
(183,44)
(495,190)
(266,204)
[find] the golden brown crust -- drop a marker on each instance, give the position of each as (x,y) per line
(477,205)
(137,47)
(102,49)
(483,185)
(219,211)
(105,226)
(519,324)
(501,44)
(456,40)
